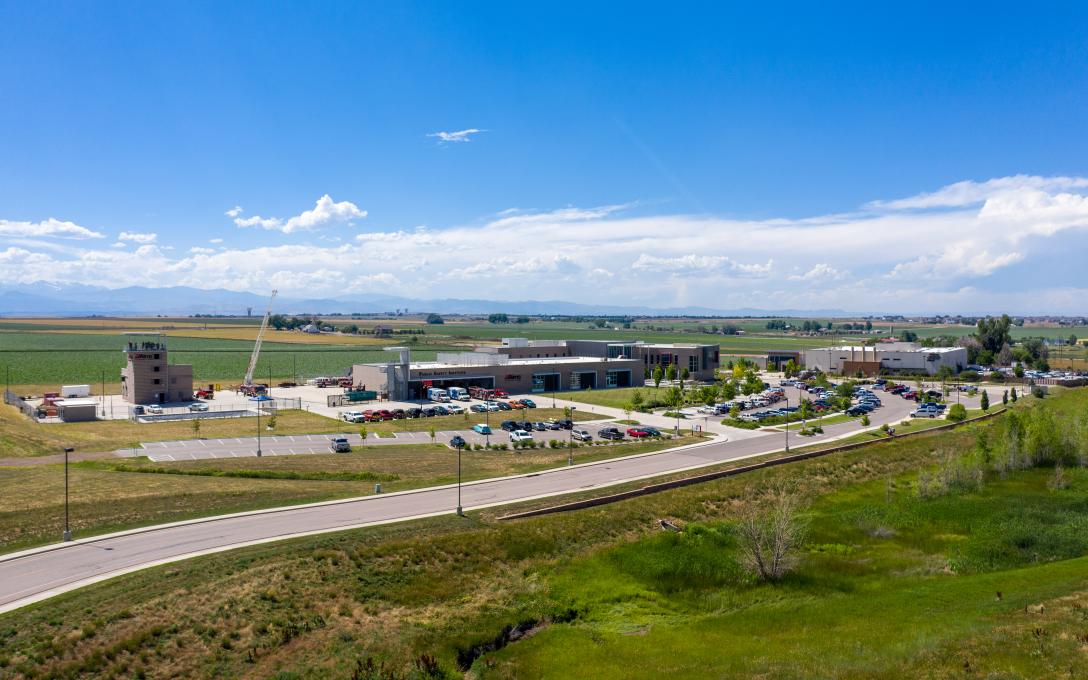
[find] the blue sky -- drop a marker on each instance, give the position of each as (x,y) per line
(632,123)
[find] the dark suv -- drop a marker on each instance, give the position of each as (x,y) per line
(509,425)
(610,433)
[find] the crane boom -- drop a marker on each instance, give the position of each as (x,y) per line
(257,347)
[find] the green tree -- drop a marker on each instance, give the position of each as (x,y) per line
(670,372)
(636,400)
(628,406)
(362,434)
(805,410)
(1005,398)
(734,411)
(657,374)
(791,368)
(433,318)
(195,424)
(865,420)
(1012,395)
(993,332)
(675,398)
(729,390)
(272,422)
(957,413)
(430,431)
(985,403)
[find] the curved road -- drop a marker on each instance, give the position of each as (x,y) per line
(35,575)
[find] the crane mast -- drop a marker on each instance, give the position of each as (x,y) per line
(257,347)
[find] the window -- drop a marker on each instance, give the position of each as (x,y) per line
(156,369)
(693,364)
(156,381)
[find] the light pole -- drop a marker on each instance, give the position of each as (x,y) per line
(787,428)
(258,400)
(487,423)
(460,512)
(67,530)
(570,442)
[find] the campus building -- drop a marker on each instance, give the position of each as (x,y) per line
(149,378)
(520,365)
(889,357)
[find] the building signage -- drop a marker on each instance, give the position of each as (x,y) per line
(141,356)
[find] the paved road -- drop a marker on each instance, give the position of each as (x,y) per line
(38,574)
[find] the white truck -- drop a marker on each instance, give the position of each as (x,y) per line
(75,391)
(459,394)
(437,394)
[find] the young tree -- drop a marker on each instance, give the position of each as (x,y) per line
(1012,395)
(657,376)
(271,422)
(431,432)
(1005,398)
(957,413)
(627,408)
(734,411)
(985,402)
(770,538)
(670,372)
(729,390)
(636,400)
(362,434)
(196,427)
(805,410)
(865,420)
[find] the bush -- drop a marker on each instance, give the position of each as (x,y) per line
(865,420)
(957,413)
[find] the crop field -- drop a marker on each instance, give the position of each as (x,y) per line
(73,358)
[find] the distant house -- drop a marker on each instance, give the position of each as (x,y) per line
(310,328)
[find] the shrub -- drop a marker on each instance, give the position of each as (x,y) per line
(865,419)
(957,413)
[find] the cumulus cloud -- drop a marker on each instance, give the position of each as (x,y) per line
(325,212)
(137,237)
(938,251)
(215,240)
(51,227)
(234,212)
(459,136)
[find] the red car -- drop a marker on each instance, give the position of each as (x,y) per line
(497,393)
(385,415)
(910,395)
(372,416)
(515,404)
(637,433)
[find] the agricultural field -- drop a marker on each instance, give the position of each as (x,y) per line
(113,494)
(985,578)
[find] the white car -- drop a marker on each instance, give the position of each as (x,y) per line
(520,436)
(154,408)
(582,435)
(492,406)
(198,407)
(455,408)
(353,416)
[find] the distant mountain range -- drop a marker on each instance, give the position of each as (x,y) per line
(48,299)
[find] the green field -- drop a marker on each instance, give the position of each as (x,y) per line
(72,358)
(978,581)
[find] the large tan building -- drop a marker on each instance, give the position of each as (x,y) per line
(149,378)
(520,366)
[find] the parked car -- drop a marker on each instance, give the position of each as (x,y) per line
(399,414)
(429,412)
(415,412)
(610,433)
(492,406)
(540,426)
(925,413)
(520,436)
(441,410)
(509,425)
(480,428)
(637,433)
(515,404)
(652,431)
(339,445)
(553,424)
(525,425)
(455,409)
(565,423)
(457,442)
(353,416)
(198,408)
(529,403)
(478,408)
(581,435)
(154,408)
(503,406)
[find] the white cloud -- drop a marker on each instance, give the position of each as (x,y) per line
(936,252)
(325,212)
(50,227)
(215,240)
(234,212)
(137,237)
(119,244)
(459,136)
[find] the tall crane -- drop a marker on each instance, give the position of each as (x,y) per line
(247,384)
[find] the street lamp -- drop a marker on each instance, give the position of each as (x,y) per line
(787,428)
(460,512)
(67,530)
(487,422)
(570,442)
(259,399)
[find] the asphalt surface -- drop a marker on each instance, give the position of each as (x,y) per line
(38,574)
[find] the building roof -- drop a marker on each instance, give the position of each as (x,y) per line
(549,361)
(75,402)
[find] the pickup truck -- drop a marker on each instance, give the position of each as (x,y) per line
(610,433)
(339,445)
